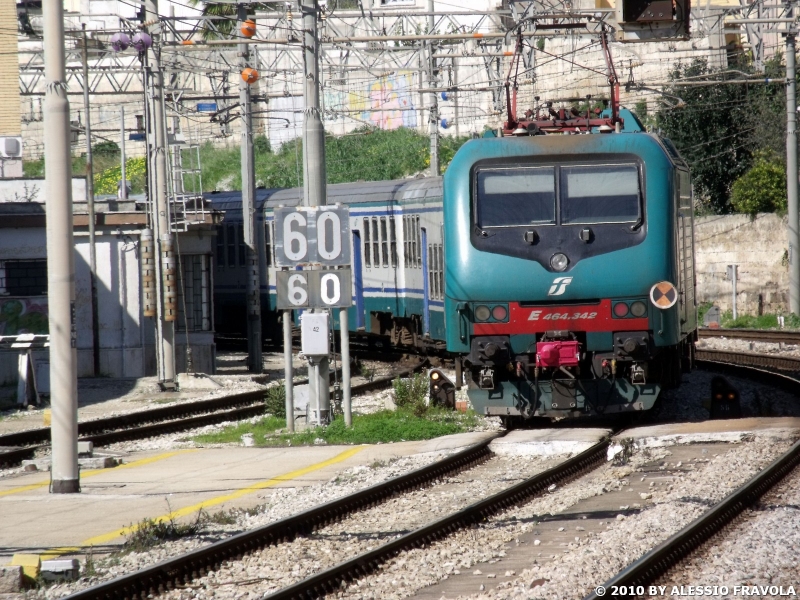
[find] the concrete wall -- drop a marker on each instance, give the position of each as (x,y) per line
(758,245)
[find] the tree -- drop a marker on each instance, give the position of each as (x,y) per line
(762,188)
(709,132)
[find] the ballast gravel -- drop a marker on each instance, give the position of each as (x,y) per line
(749,554)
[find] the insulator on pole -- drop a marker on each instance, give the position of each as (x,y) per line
(148,274)
(169,281)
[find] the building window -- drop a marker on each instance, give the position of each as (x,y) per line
(367,261)
(231,239)
(194,293)
(23,277)
(220,247)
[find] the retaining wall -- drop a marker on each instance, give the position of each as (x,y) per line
(759,246)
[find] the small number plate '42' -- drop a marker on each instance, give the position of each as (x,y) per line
(536,315)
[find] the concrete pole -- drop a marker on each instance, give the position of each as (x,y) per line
(314,175)
(254,358)
(167,307)
(791,177)
(344,331)
(457,116)
(289,370)
(90,208)
(64,476)
(123,192)
(433,123)
(734,277)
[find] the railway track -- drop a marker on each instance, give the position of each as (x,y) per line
(15,447)
(752,335)
(180,571)
(650,567)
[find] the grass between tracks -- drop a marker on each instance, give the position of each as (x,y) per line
(768,321)
(381,427)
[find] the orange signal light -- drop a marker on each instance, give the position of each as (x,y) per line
(248,28)
(249,75)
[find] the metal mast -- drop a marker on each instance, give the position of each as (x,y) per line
(65,477)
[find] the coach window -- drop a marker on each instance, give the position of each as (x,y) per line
(268,242)
(231,239)
(406,241)
(367,261)
(242,247)
(376,243)
(600,194)
(520,196)
(393,240)
(384,243)
(418,244)
(220,247)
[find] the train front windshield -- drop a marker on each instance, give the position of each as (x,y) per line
(564,195)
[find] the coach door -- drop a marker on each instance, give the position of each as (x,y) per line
(685,248)
(426,305)
(358,272)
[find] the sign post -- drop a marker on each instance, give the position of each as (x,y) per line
(312,244)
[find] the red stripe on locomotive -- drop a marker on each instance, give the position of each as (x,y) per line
(538,319)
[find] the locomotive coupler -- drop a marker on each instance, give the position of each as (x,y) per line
(486,380)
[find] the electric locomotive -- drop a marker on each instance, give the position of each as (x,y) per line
(569,272)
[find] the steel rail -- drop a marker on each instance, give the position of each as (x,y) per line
(752,335)
(760,367)
(169,419)
(658,561)
(329,580)
(177,571)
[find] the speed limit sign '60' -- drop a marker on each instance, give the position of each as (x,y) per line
(312,235)
(314,289)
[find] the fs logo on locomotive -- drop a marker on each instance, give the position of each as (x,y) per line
(559,286)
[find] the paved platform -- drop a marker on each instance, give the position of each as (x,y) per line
(723,430)
(547,442)
(181,482)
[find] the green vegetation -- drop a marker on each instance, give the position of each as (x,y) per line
(768,321)
(411,394)
(367,154)
(762,188)
(275,401)
(384,426)
(151,532)
(107,170)
(722,130)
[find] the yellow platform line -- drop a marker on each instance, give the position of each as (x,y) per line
(188,510)
(93,472)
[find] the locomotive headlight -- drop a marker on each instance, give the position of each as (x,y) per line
(638,309)
(482,313)
(559,261)
(499,313)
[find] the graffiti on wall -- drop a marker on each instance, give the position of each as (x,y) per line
(23,315)
(386,102)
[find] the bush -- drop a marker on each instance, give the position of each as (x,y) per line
(762,188)
(275,401)
(411,394)
(107,148)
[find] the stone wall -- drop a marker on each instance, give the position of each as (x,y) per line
(759,246)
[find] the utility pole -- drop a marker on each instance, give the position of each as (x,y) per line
(90,208)
(123,190)
(254,357)
(166,306)
(433,116)
(314,175)
(64,474)
(791,176)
